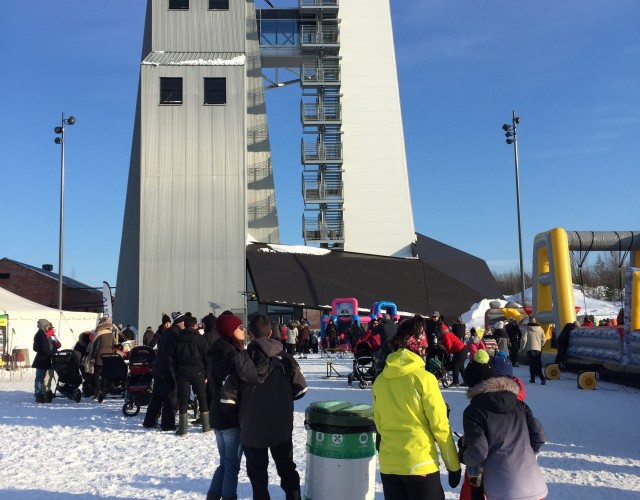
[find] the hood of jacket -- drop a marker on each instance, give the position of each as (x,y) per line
(496,394)
(262,356)
(187,336)
(401,363)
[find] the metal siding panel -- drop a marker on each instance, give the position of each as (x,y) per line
(198,29)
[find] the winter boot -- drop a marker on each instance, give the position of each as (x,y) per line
(204,417)
(39,398)
(543,381)
(183,424)
(48,397)
(213,496)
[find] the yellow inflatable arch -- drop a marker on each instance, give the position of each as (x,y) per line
(553,300)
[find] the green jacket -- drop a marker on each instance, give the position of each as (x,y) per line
(411,416)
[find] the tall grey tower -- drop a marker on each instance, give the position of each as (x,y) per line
(200,174)
(201,178)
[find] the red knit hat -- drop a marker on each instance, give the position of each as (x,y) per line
(227,324)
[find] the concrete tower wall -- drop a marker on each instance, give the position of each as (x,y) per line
(378,217)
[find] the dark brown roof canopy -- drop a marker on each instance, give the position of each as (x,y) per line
(440,278)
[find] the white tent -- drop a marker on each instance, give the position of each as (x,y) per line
(23,316)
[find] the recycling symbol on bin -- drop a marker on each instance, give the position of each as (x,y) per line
(363,438)
(319,437)
(337,439)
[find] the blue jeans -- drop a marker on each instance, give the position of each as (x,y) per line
(42,381)
(225,477)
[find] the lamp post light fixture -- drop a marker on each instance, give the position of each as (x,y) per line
(60,140)
(511,134)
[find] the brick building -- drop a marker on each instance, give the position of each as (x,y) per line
(41,285)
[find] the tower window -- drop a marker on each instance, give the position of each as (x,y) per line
(218,4)
(170,90)
(215,90)
(178,4)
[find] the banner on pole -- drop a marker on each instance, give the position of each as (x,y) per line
(107,303)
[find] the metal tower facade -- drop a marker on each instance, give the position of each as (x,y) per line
(200,175)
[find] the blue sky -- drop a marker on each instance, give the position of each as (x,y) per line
(570,70)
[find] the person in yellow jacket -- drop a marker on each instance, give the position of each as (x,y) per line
(411,417)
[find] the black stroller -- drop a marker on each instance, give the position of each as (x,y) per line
(364,365)
(69,378)
(139,381)
(439,363)
(114,376)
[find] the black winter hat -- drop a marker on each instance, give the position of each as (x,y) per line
(479,369)
(209,322)
(166,319)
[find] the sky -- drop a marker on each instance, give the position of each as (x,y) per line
(568,69)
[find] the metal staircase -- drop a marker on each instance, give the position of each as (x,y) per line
(321,117)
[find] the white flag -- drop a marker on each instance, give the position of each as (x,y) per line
(107,307)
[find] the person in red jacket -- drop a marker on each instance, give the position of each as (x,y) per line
(458,351)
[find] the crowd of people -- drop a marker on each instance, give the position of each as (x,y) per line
(244,381)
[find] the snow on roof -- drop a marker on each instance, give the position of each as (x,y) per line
(300,249)
(160,58)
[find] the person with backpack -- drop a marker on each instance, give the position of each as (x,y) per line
(261,392)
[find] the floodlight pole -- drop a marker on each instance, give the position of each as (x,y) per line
(514,121)
(60,140)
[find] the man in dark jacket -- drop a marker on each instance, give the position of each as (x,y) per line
(515,336)
(262,391)
(44,348)
(459,329)
(186,358)
(386,328)
(164,397)
(433,328)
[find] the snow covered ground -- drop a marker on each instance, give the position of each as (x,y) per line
(65,450)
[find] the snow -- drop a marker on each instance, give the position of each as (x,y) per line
(600,309)
(299,249)
(64,449)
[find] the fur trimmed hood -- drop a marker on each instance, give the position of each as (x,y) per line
(494,384)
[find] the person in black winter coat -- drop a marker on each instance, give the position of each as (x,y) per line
(501,437)
(44,346)
(220,364)
(210,333)
(387,330)
(186,358)
(459,329)
(164,397)
(261,392)
(515,336)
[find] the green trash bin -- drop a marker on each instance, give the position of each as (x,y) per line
(341,451)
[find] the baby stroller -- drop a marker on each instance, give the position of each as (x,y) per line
(364,366)
(439,363)
(114,376)
(139,381)
(67,369)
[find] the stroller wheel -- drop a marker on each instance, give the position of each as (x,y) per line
(350,379)
(130,409)
(77,395)
(363,384)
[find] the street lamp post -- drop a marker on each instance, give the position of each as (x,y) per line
(512,138)
(60,140)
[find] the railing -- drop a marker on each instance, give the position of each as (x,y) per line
(318,231)
(317,3)
(321,152)
(318,112)
(319,35)
(319,191)
(312,74)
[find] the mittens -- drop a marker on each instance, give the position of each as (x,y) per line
(454,478)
